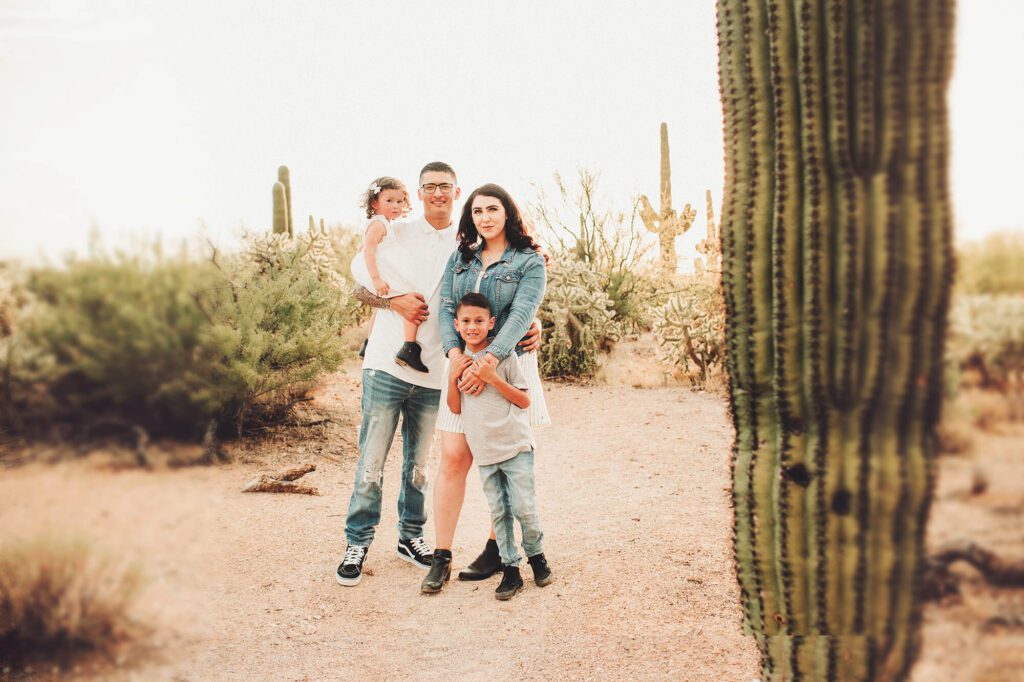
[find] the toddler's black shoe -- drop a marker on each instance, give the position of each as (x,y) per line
(440,572)
(409,356)
(485,565)
(511,584)
(362,350)
(541,573)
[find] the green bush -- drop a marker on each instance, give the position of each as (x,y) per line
(174,342)
(690,328)
(992,266)
(986,334)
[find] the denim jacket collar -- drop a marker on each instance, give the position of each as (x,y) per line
(506,255)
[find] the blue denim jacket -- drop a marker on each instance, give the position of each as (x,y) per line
(514,284)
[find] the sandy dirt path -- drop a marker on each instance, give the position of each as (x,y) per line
(632,490)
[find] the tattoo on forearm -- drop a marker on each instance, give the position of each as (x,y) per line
(366,297)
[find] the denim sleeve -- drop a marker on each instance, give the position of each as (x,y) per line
(528,297)
(446,315)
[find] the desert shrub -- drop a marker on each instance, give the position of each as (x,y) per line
(578,320)
(609,243)
(992,266)
(986,335)
(60,594)
(176,343)
(690,328)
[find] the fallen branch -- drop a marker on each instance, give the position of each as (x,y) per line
(266,484)
(939,582)
(283,482)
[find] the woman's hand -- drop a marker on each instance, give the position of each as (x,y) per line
(485,370)
(531,341)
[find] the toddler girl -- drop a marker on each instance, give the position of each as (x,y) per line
(382,264)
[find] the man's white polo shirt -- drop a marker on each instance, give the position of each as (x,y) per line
(433,247)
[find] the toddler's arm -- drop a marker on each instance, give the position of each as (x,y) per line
(375,232)
(458,366)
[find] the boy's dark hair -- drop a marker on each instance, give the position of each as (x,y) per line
(438,167)
(477,301)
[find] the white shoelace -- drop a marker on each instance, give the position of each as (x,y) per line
(419,546)
(354,555)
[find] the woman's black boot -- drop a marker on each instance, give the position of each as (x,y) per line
(485,565)
(440,572)
(511,584)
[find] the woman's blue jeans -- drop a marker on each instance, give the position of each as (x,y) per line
(384,399)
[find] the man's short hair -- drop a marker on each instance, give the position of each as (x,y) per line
(475,300)
(438,167)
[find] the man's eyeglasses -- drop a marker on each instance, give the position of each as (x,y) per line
(431,187)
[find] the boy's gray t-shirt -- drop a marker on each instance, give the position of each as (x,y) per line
(497,430)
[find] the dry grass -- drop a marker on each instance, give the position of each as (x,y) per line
(59,595)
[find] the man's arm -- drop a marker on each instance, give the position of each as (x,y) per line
(412,307)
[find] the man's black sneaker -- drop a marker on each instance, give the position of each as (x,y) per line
(440,572)
(362,349)
(485,565)
(541,573)
(511,584)
(409,356)
(350,572)
(415,551)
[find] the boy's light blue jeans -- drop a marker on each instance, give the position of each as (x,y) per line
(509,487)
(384,399)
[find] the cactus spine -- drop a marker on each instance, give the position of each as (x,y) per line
(666,224)
(836,272)
(711,245)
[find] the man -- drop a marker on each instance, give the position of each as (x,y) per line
(390,390)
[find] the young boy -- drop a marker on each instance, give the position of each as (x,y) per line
(498,432)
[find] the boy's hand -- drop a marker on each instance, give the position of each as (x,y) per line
(485,370)
(458,366)
(381,286)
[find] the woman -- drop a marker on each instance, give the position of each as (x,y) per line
(496,257)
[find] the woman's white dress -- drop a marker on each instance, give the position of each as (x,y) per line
(393,261)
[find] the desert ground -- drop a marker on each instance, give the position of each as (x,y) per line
(633,494)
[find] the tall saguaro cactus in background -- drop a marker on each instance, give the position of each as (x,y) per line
(285,178)
(280,197)
(711,245)
(666,224)
(837,264)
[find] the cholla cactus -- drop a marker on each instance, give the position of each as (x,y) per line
(987,335)
(666,223)
(690,329)
(578,319)
(314,249)
(711,245)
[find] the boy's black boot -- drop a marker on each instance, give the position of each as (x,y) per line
(440,572)
(485,565)
(511,584)
(541,573)
(409,356)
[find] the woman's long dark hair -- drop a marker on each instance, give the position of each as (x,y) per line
(516,231)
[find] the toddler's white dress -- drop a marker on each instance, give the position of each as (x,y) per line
(394,262)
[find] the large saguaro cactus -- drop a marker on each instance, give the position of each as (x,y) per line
(837,264)
(280,198)
(285,178)
(666,224)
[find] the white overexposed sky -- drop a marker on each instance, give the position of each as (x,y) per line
(140,117)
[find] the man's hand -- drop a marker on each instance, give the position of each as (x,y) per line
(412,307)
(531,341)
(471,382)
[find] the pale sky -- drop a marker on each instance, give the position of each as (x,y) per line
(151,118)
